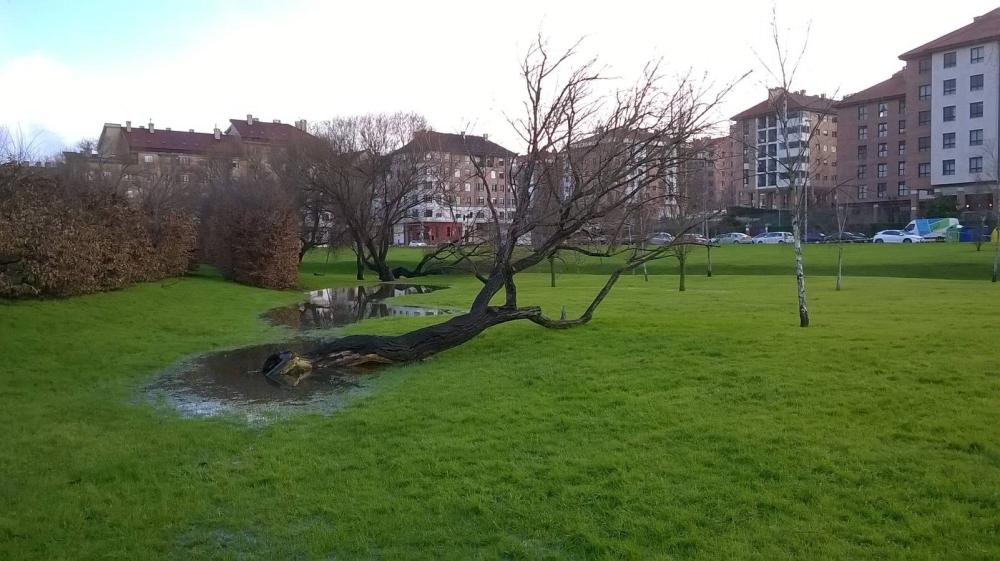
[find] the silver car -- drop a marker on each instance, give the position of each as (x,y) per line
(774,237)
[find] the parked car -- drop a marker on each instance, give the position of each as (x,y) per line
(774,237)
(847,237)
(896,236)
(731,237)
(418,243)
(661,238)
(694,238)
(815,237)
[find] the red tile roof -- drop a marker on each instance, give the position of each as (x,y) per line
(271,133)
(983,28)
(796,101)
(894,87)
(458,144)
(140,139)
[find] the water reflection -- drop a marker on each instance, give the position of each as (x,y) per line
(337,307)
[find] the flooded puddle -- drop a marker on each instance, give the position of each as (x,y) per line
(337,307)
(230,382)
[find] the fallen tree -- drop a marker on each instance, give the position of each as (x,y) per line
(590,159)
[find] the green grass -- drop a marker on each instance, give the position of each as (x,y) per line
(697,425)
(930,260)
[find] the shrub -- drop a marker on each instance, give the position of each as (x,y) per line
(58,239)
(251,233)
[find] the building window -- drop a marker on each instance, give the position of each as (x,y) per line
(862,112)
(882,170)
(901,148)
(976,137)
(949,113)
(883,129)
(948,140)
(924,169)
(949,86)
(185,178)
(948,167)
(976,55)
(862,133)
(862,152)
(862,170)
(901,169)
(880,190)
(924,65)
(976,164)
(862,192)
(902,106)
(924,118)
(975,82)
(147,158)
(902,190)
(924,92)
(976,110)
(902,126)
(883,149)
(950,59)
(923,143)
(883,110)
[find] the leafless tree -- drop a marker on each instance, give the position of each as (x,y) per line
(586,157)
(372,173)
(795,166)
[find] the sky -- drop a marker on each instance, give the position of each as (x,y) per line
(67,67)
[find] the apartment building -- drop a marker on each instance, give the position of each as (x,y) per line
(958,78)
(462,170)
(881,169)
(147,156)
(764,146)
(940,117)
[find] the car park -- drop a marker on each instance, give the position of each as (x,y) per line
(896,236)
(774,237)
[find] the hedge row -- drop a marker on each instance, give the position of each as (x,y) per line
(62,240)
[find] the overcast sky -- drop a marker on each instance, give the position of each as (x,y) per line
(66,67)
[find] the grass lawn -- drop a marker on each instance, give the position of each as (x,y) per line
(696,425)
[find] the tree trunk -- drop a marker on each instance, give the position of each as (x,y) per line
(709,272)
(800,276)
(996,254)
(840,262)
(359,262)
(552,270)
(682,258)
(416,345)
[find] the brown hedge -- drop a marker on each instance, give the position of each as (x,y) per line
(61,240)
(251,233)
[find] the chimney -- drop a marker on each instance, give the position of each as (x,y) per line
(277,121)
(301,124)
(168,129)
(486,136)
(151,129)
(190,130)
(249,119)
(128,126)
(218,134)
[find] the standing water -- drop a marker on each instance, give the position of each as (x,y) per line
(231,381)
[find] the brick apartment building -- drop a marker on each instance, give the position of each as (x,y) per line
(133,157)
(761,149)
(456,162)
(941,113)
(881,179)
